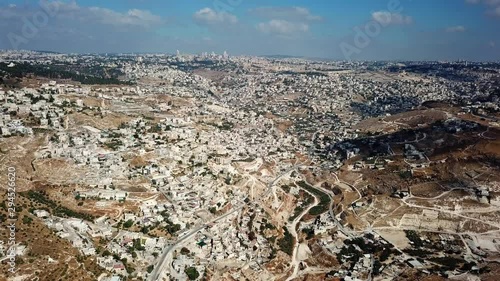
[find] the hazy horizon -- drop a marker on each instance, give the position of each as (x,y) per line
(390,30)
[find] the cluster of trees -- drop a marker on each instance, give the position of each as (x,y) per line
(286,243)
(24,69)
(324,199)
(57,209)
(413,237)
(171,227)
(309,232)
(355,248)
(225,126)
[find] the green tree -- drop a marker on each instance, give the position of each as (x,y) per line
(192,273)
(128,223)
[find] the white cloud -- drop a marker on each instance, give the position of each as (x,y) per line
(133,17)
(144,15)
(493,6)
(487,2)
(387,18)
(495,12)
(282,27)
(58,25)
(71,10)
(492,2)
(457,28)
(208,16)
(300,14)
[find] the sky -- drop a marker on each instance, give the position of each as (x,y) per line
(334,29)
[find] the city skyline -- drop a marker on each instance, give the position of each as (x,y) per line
(373,30)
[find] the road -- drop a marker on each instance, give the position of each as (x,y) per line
(455,213)
(295,261)
(330,207)
(413,141)
(167,252)
(158,270)
(293,230)
(160,265)
(271,184)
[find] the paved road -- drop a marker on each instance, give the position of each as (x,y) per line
(158,270)
(271,184)
(295,260)
(160,265)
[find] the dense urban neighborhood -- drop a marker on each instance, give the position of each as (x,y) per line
(220,167)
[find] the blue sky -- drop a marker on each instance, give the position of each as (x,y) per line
(337,29)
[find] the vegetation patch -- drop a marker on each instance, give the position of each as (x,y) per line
(324,199)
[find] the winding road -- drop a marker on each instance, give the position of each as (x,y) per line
(167,252)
